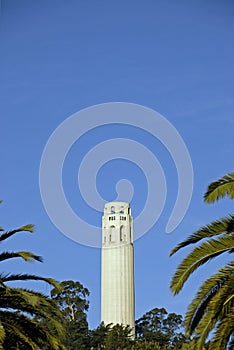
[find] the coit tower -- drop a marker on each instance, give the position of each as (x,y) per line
(117,291)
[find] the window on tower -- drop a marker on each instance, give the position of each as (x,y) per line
(112,234)
(122,236)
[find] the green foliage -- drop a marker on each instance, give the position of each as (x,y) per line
(199,256)
(71,298)
(220,188)
(109,337)
(23,312)
(141,344)
(156,330)
(27,256)
(98,336)
(118,338)
(213,229)
(25,228)
(218,287)
(212,308)
(191,345)
(160,327)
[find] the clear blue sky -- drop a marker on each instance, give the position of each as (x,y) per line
(58,57)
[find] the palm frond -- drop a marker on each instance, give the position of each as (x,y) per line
(34,304)
(229,299)
(213,229)
(26,314)
(2,335)
(210,311)
(28,331)
(220,188)
(199,256)
(201,338)
(215,311)
(223,333)
(212,308)
(25,277)
(207,290)
(27,256)
(15,335)
(195,316)
(25,228)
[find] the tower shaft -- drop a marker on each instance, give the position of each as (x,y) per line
(117,304)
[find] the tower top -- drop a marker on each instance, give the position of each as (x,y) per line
(116,225)
(117,208)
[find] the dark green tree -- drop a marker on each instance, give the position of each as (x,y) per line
(161,327)
(108,337)
(71,298)
(118,338)
(98,336)
(142,344)
(212,308)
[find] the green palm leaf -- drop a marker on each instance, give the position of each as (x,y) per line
(25,228)
(220,188)
(223,333)
(27,331)
(25,277)
(212,308)
(213,229)
(206,292)
(215,311)
(15,335)
(34,304)
(27,256)
(2,335)
(199,256)
(229,299)
(25,314)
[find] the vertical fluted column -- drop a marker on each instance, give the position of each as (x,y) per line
(117,303)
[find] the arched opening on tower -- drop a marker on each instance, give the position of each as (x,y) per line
(112,234)
(122,233)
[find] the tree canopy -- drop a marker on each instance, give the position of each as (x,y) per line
(71,298)
(161,327)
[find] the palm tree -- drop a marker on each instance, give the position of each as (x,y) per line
(212,308)
(22,310)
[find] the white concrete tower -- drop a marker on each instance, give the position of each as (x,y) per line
(117,305)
